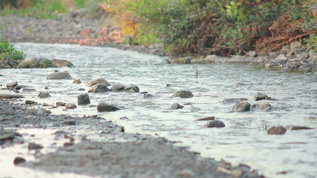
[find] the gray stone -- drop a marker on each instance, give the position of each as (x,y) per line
(11,96)
(183,94)
(312,54)
(117,87)
(18,160)
(233,100)
(300,128)
(281,58)
(77,81)
(217,124)
(131,88)
(177,106)
(242,106)
(70,106)
(276,130)
(99,88)
(206,118)
(105,107)
(97,81)
(12,84)
(59,75)
(43,94)
(261,96)
(59,103)
(61,63)
(83,99)
(34,146)
(262,106)
(35,63)
(29,102)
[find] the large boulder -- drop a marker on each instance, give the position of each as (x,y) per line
(61,63)
(242,106)
(183,94)
(99,88)
(97,81)
(83,99)
(105,107)
(59,75)
(35,63)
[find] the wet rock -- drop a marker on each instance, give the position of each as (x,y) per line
(69,123)
(34,146)
(29,102)
(177,106)
(18,160)
(242,106)
(7,136)
(299,128)
(131,88)
(233,100)
(77,81)
(147,95)
(70,106)
(99,88)
(105,107)
(83,99)
(59,103)
(276,130)
(183,94)
(35,63)
(261,96)
(61,63)
(206,118)
(214,123)
(59,76)
(117,87)
(12,84)
(43,94)
(11,96)
(28,90)
(98,81)
(262,106)
(281,58)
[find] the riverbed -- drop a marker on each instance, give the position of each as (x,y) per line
(243,140)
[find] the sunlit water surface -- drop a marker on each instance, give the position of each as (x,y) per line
(243,140)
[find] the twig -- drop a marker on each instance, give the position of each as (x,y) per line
(293,39)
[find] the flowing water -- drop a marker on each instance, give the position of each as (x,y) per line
(243,140)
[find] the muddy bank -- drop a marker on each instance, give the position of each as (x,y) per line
(114,154)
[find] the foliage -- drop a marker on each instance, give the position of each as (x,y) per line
(9,56)
(48,9)
(202,27)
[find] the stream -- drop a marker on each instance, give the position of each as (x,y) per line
(243,140)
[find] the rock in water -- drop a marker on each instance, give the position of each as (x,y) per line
(262,106)
(70,106)
(177,106)
(261,96)
(34,146)
(61,63)
(217,124)
(97,81)
(104,107)
(276,130)
(131,88)
(18,160)
(83,99)
(117,87)
(183,94)
(99,88)
(59,75)
(242,106)
(43,94)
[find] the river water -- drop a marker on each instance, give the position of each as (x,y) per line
(243,140)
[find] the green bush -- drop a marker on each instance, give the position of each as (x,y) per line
(9,56)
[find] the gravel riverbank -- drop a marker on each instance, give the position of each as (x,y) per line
(114,153)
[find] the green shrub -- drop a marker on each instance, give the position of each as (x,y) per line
(9,56)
